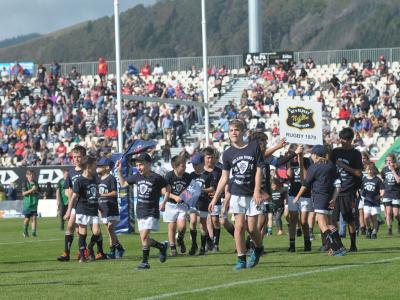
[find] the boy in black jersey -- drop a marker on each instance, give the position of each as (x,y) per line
(322,180)
(297,170)
(349,163)
(175,211)
(246,162)
(276,206)
(108,206)
(150,187)
(78,153)
(391,198)
(201,209)
(85,201)
(213,222)
(372,189)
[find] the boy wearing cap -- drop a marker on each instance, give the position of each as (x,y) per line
(246,162)
(150,187)
(108,206)
(349,163)
(201,209)
(176,210)
(323,181)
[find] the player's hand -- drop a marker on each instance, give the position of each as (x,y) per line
(282,143)
(211,206)
(162,206)
(67,215)
(178,200)
(257,197)
(265,196)
(299,149)
(332,204)
(118,165)
(295,200)
(340,164)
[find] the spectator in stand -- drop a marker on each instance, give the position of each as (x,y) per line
(17,71)
(334,85)
(145,70)
(167,125)
(55,70)
(61,150)
(5,75)
(310,64)
(73,74)
(11,192)
(344,113)
(385,131)
(382,66)
(158,70)
(102,69)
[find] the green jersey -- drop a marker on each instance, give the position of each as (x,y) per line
(30,201)
(61,189)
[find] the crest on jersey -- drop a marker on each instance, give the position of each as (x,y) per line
(243,166)
(142,189)
(297,171)
(179,187)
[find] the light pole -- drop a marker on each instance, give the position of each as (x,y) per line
(205,74)
(118,75)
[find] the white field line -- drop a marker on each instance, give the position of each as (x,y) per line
(267,279)
(31,241)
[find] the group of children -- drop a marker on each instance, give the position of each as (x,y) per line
(324,187)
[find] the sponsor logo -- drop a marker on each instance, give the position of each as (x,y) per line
(8,177)
(50,175)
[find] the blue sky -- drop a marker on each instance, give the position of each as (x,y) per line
(19,17)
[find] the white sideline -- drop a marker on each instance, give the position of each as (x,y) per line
(31,241)
(251,281)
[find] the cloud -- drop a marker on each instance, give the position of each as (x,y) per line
(19,17)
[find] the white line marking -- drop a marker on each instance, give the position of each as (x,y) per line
(31,241)
(251,281)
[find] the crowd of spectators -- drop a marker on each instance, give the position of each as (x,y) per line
(42,117)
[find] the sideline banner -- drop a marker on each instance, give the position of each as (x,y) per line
(300,122)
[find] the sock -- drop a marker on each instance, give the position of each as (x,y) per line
(292,243)
(231,231)
(209,240)
(336,238)
(353,240)
(100,244)
(82,244)
(146,252)
(373,231)
(93,240)
(203,241)
(258,250)
(33,231)
(68,243)
(242,258)
(25,229)
(217,234)
(269,230)
(193,235)
(248,242)
(329,240)
(118,246)
(112,248)
(323,239)
(181,236)
(155,244)
(172,246)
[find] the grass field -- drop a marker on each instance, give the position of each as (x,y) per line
(28,269)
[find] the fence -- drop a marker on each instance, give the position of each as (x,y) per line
(236,61)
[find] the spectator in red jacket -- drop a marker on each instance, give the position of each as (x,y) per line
(344,113)
(145,70)
(102,68)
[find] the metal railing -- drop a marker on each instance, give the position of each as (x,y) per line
(236,61)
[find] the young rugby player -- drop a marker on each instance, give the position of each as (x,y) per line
(30,203)
(201,209)
(150,187)
(372,189)
(86,204)
(62,198)
(322,180)
(391,198)
(276,206)
(349,163)
(296,172)
(78,153)
(108,206)
(175,211)
(246,162)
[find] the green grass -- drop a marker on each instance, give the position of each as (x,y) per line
(28,268)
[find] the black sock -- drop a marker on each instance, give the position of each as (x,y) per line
(193,234)
(118,246)
(100,244)
(82,244)
(242,258)
(155,244)
(68,243)
(93,241)
(353,240)
(217,234)
(209,240)
(181,236)
(146,252)
(329,240)
(259,250)
(203,241)
(173,247)
(231,231)
(323,239)
(292,243)
(336,238)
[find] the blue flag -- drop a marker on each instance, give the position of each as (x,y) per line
(191,194)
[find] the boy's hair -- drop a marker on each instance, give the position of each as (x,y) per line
(239,124)
(276,181)
(209,151)
(346,134)
(392,156)
(178,160)
(372,166)
(88,161)
(258,136)
(79,149)
(30,172)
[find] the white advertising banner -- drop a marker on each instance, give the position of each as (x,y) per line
(300,122)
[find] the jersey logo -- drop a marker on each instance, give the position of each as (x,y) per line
(370,187)
(142,189)
(179,187)
(243,166)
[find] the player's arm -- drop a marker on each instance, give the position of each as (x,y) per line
(71,204)
(395,175)
(268,152)
(257,188)
(355,172)
(220,188)
(110,194)
(302,190)
(227,200)
(167,195)
(121,178)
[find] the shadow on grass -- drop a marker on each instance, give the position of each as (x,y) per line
(26,261)
(32,271)
(77,283)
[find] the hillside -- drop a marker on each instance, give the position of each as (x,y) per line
(173,28)
(18,40)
